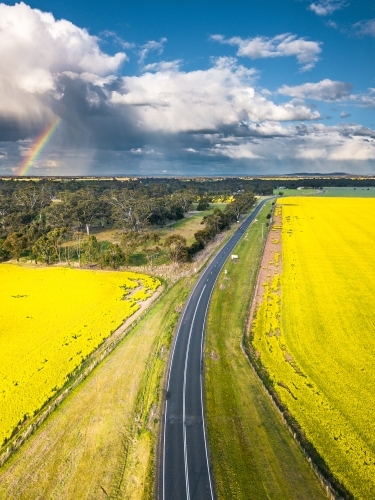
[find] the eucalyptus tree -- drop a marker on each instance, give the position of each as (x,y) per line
(91,249)
(131,210)
(175,244)
(15,243)
(84,208)
(113,256)
(43,250)
(56,237)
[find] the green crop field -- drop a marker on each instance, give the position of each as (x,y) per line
(359,192)
(352,192)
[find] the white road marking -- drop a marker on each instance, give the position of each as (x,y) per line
(224,256)
(184,399)
(169,376)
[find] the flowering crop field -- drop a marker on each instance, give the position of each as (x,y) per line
(315,331)
(51,319)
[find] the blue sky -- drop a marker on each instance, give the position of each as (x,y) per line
(230,87)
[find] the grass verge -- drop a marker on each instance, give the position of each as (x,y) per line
(252,452)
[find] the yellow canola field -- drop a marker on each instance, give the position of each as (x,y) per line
(315,331)
(51,319)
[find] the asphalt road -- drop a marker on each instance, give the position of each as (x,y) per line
(184,463)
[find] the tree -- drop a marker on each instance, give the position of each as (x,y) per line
(203,235)
(58,214)
(153,236)
(56,238)
(203,204)
(184,199)
(240,205)
(175,245)
(32,198)
(5,203)
(216,222)
(151,253)
(91,249)
(78,237)
(15,243)
(84,208)
(131,210)
(113,256)
(129,242)
(43,250)
(35,230)
(4,254)
(103,211)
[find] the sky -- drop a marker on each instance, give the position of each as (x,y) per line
(240,87)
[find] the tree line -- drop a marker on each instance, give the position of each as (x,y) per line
(37,219)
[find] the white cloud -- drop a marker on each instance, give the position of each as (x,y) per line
(325,90)
(236,151)
(195,101)
(151,45)
(163,66)
(363,28)
(283,45)
(365,100)
(117,39)
(326,145)
(334,147)
(327,7)
(35,50)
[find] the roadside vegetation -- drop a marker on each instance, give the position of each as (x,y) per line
(252,452)
(313,336)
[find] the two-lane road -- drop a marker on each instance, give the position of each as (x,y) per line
(184,465)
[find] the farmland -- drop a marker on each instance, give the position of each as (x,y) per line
(51,320)
(330,192)
(314,331)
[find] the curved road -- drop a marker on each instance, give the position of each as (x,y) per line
(184,465)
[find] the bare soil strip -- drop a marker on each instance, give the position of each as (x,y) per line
(271,263)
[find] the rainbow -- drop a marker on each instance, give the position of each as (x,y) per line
(37,147)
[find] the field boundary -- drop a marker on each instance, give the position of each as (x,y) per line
(332,487)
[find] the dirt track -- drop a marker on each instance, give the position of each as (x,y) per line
(270,264)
